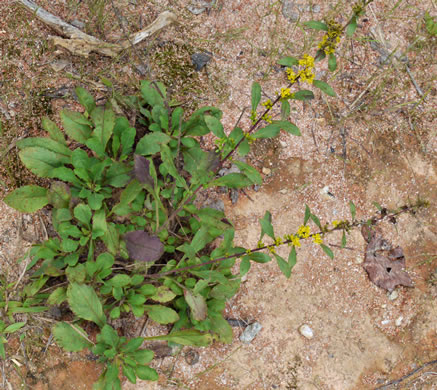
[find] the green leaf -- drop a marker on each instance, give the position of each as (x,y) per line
(351,27)
(85,99)
(14,327)
(82,213)
(324,87)
(283,266)
(132,345)
(167,159)
(57,296)
(120,280)
(146,373)
(197,304)
(63,153)
(76,125)
(288,61)
(40,161)
(104,122)
(316,25)
(129,373)
(161,294)
(332,62)
(304,94)
(111,239)
(288,127)
(343,239)
(258,257)
(72,339)
(316,221)
(244,266)
(292,258)
(150,94)
(2,348)
(270,131)
(161,314)
(108,335)
(327,250)
(68,245)
(100,226)
(285,110)
(266,226)
(215,126)
(430,24)
(85,303)
(221,327)
(232,180)
(353,209)
(255,95)
(307,214)
(54,132)
(76,274)
(249,171)
(186,337)
(27,199)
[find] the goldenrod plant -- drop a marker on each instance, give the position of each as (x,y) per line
(129,237)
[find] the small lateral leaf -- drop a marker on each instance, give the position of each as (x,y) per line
(377,205)
(146,373)
(351,27)
(292,258)
(215,126)
(324,87)
(14,327)
(161,314)
(244,266)
(332,62)
(256,95)
(327,250)
(232,180)
(307,214)
(316,25)
(343,239)
(288,61)
(316,221)
(259,257)
(266,225)
(186,337)
(283,266)
(143,247)
(304,94)
(270,131)
(85,99)
(285,110)
(249,171)
(27,199)
(353,209)
(289,127)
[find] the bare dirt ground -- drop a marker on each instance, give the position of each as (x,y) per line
(375,142)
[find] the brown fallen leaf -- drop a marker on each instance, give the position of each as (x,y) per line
(384,264)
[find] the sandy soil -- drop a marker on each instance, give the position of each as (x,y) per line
(375,142)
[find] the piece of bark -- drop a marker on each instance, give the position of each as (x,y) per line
(79,43)
(384,264)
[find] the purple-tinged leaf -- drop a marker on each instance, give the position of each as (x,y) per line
(141,169)
(143,247)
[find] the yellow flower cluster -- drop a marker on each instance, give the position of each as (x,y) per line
(278,241)
(303,231)
(286,93)
(331,39)
(253,116)
(336,223)
(272,249)
(249,138)
(306,73)
(267,104)
(267,118)
(317,239)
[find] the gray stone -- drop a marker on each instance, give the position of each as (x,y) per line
(200,60)
(216,204)
(234,195)
(290,11)
(393,295)
(250,332)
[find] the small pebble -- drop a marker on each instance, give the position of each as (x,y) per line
(359,260)
(283,191)
(306,331)
(398,321)
(191,357)
(200,60)
(385,322)
(266,171)
(393,295)
(283,144)
(250,332)
(234,195)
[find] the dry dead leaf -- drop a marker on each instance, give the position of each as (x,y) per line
(384,264)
